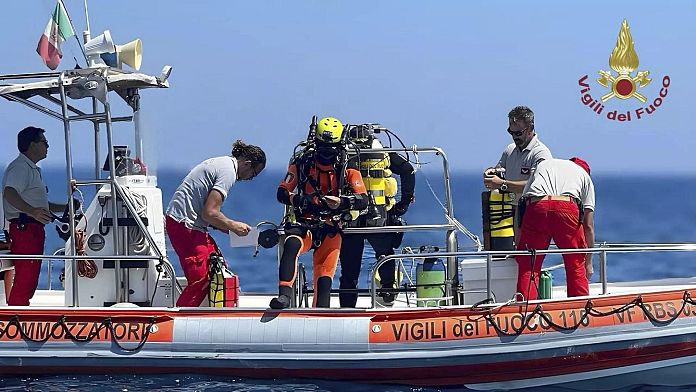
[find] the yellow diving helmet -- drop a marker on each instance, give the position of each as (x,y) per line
(329,130)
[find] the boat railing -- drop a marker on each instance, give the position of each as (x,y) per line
(115,258)
(53,87)
(602,250)
(450,227)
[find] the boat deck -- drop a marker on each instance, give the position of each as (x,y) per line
(56,298)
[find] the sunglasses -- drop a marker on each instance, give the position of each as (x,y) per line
(517,133)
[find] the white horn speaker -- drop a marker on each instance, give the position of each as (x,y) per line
(98,45)
(130,53)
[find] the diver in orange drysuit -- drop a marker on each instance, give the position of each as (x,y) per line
(314,187)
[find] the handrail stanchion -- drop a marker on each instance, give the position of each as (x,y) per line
(489,268)
(97,150)
(373,288)
(71,206)
(114,200)
(452,282)
(50,267)
(148,238)
(603,270)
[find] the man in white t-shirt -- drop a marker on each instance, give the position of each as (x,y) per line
(196,205)
(26,205)
(560,204)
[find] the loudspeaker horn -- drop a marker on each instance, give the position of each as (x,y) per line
(97,46)
(100,44)
(130,53)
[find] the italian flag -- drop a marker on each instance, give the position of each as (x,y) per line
(57,30)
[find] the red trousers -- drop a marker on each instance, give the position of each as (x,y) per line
(29,241)
(542,221)
(193,248)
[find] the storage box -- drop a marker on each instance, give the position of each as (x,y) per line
(472,276)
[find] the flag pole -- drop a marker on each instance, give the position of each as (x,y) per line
(87,17)
(73,28)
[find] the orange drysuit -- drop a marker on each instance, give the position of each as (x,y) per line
(314,228)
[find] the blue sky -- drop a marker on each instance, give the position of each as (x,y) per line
(441,73)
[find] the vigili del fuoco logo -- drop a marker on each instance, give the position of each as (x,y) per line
(625,83)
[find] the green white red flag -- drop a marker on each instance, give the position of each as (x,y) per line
(57,30)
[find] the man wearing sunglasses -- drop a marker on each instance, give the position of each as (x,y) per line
(520,157)
(26,205)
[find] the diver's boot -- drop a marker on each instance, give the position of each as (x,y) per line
(386,298)
(283,299)
(281,302)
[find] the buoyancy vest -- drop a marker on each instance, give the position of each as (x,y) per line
(313,179)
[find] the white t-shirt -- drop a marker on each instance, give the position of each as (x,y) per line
(25,177)
(558,177)
(189,198)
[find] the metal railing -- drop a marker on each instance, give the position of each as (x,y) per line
(115,258)
(603,250)
(450,229)
(68,114)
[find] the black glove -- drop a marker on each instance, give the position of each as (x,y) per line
(399,208)
(305,203)
(346,202)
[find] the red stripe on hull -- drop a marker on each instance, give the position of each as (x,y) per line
(441,375)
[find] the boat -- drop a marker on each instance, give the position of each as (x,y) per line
(474,334)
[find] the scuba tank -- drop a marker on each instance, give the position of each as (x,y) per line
(224,285)
(377,177)
(545,284)
(498,210)
(373,168)
(430,280)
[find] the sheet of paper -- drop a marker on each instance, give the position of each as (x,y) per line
(250,239)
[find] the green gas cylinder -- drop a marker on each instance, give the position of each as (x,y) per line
(430,282)
(545,284)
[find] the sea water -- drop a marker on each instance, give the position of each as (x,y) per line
(637,208)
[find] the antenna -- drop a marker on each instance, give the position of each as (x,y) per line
(312,129)
(86,16)
(86,34)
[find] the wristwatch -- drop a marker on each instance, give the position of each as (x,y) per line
(504,187)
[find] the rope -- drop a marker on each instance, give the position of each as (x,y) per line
(85,268)
(452,220)
(61,330)
(136,238)
(587,312)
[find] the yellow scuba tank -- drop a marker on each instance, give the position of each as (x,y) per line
(224,285)
(498,220)
(380,186)
(372,168)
